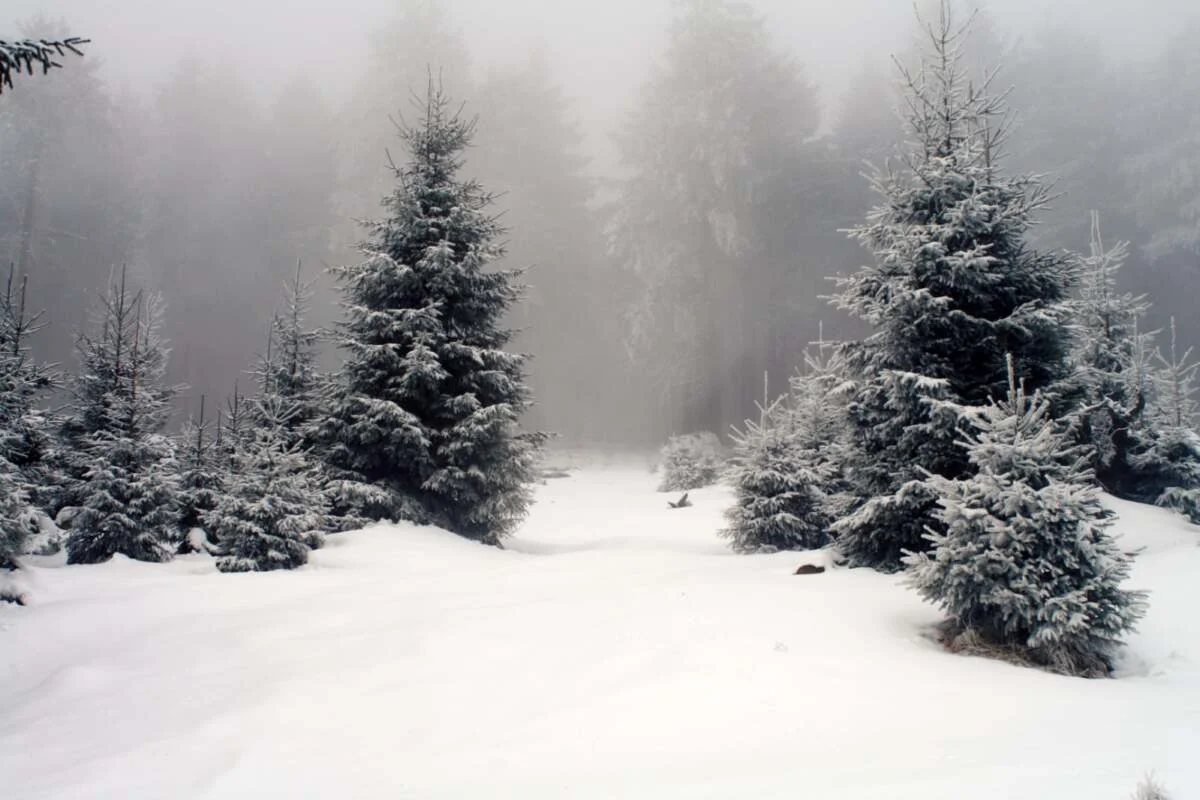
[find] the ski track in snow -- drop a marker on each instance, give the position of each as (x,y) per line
(614,649)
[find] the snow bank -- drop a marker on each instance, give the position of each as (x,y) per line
(615,649)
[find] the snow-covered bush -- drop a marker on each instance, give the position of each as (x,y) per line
(787,467)
(690,461)
(1023,561)
(780,485)
(273,509)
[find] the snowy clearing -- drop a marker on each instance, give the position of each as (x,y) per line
(615,649)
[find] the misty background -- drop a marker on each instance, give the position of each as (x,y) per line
(677,175)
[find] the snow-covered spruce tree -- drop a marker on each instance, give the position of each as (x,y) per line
(272,511)
(15,527)
(201,481)
(819,393)
(127,493)
(289,370)
(779,487)
(786,467)
(1172,448)
(690,461)
(233,430)
(25,436)
(954,287)
(23,432)
(1022,560)
(427,408)
(1109,380)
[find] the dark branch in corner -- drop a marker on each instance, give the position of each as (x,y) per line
(24,55)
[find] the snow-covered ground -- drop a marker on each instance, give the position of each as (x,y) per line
(614,650)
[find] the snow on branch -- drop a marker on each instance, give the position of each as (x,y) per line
(22,56)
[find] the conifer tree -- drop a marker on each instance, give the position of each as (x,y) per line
(127,492)
(289,369)
(706,217)
(786,466)
(426,413)
(233,431)
(953,289)
(15,527)
(1109,381)
(23,431)
(780,488)
(1022,559)
(201,481)
(24,434)
(529,144)
(271,513)
(1172,452)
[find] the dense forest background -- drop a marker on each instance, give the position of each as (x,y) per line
(680,208)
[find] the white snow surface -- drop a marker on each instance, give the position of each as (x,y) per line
(615,649)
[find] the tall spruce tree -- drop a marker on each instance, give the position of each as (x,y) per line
(201,480)
(954,288)
(289,368)
(426,414)
(1110,380)
(125,484)
(1022,559)
(23,432)
(1171,451)
(721,158)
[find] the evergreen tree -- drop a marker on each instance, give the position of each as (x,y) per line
(233,431)
(126,485)
(1172,452)
(529,143)
(429,401)
(1109,381)
(721,158)
(271,513)
(780,488)
(24,438)
(1022,559)
(15,527)
(690,461)
(418,40)
(25,54)
(289,369)
(786,467)
(954,288)
(201,483)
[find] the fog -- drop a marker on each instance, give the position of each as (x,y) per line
(211,145)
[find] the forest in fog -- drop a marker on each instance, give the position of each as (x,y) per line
(679,222)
